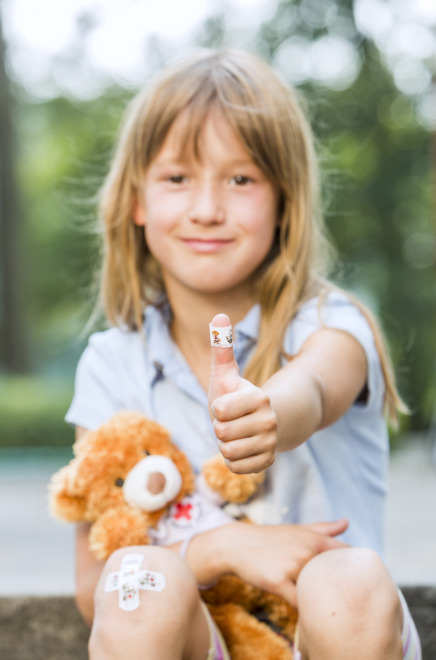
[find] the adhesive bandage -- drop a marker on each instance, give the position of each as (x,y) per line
(222,337)
(129,579)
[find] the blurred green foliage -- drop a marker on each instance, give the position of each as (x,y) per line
(32,411)
(65,148)
(378,196)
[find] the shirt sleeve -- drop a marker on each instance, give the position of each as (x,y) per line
(340,313)
(103,378)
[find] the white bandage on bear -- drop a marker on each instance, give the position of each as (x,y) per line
(222,337)
(129,579)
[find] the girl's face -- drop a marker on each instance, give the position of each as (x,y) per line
(210,219)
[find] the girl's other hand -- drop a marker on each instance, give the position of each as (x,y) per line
(244,421)
(269,557)
(272,556)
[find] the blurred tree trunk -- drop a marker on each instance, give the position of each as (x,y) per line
(13,346)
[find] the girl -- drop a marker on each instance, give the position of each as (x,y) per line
(211,205)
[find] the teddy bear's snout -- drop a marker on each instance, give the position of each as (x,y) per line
(152,483)
(156,483)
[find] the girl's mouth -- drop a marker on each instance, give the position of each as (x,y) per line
(206,245)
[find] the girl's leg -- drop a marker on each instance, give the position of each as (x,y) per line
(168,624)
(348,608)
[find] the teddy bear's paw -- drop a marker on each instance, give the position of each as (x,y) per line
(280,614)
(246,637)
(116,528)
(235,488)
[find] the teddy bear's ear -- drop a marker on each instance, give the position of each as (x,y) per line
(63,502)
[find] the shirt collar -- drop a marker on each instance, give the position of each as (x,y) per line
(166,359)
(159,342)
(248,328)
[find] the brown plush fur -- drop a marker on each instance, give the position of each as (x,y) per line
(89,489)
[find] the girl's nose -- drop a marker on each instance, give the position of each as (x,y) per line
(207,206)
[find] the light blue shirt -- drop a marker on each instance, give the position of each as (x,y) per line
(339,472)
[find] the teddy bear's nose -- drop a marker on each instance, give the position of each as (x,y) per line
(156,483)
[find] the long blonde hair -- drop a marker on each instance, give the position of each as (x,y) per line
(266,115)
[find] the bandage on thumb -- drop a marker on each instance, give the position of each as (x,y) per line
(224,370)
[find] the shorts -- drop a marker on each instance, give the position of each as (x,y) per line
(409,636)
(217,649)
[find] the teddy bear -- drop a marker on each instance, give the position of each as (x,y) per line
(135,487)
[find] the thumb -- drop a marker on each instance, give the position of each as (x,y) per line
(224,369)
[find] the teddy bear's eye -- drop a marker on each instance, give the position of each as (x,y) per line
(147,453)
(119,482)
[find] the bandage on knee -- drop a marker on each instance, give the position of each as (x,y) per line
(222,337)
(129,579)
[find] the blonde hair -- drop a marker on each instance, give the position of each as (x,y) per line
(266,115)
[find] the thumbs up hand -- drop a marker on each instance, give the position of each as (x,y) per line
(244,421)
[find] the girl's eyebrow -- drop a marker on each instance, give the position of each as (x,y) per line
(171,160)
(167,164)
(182,160)
(241,162)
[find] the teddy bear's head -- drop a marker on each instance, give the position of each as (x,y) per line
(129,460)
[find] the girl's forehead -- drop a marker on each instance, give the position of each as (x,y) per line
(190,137)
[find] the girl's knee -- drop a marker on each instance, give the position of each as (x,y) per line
(154,558)
(347,600)
(171,603)
(170,574)
(344,569)
(353,581)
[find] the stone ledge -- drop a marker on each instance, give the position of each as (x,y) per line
(41,628)
(50,628)
(422,604)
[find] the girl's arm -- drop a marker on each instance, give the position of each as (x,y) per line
(88,568)
(88,571)
(317,387)
(309,393)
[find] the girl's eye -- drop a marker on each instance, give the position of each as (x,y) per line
(240,180)
(177,178)
(119,482)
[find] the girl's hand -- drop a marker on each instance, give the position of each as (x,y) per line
(244,421)
(272,556)
(269,557)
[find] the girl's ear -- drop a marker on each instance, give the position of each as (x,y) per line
(138,213)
